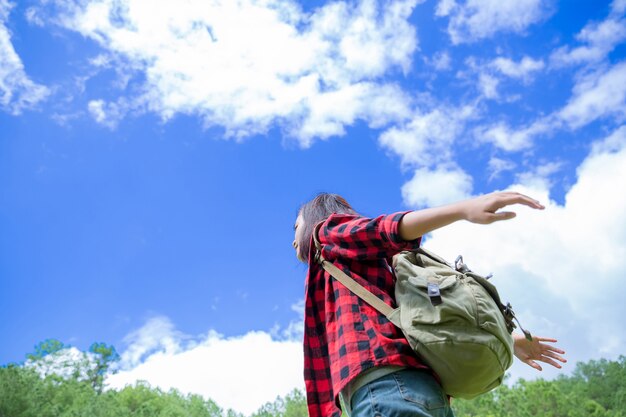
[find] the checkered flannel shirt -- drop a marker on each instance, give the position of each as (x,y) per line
(344,335)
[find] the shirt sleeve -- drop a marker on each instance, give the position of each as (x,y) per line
(355,237)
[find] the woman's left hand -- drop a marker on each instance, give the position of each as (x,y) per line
(529,352)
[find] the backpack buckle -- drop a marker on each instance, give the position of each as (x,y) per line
(460,266)
(434,293)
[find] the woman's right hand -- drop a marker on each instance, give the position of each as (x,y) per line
(481,210)
(484,209)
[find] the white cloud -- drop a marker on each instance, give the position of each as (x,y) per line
(441,61)
(488,85)
(597,95)
(491,73)
(428,138)
(436,187)
(445,7)
(618,7)
(110,114)
(562,267)
(499,165)
(254,64)
(241,373)
(295,328)
(598,38)
(33,18)
(96,108)
(512,140)
(540,176)
(157,335)
(17,91)
(522,69)
(479,19)
(330,112)
(427,143)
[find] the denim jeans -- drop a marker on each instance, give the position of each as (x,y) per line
(404,393)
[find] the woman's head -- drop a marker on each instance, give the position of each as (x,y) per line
(310,214)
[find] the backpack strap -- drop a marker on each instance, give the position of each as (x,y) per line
(347,281)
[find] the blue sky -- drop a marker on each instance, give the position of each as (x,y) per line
(153,157)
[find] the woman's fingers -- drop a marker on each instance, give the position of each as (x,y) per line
(484,209)
(507,199)
(554,356)
(502,215)
(533,364)
(517,198)
(545,339)
(545,353)
(550,362)
(549,348)
(543,358)
(553,349)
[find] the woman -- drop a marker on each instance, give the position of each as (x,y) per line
(351,352)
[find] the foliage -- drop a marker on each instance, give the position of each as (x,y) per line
(54,359)
(104,357)
(46,348)
(293,405)
(595,389)
(23,393)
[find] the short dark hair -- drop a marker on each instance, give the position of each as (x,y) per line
(316,210)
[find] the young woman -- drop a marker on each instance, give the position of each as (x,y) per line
(351,352)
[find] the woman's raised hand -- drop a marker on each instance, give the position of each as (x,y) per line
(530,352)
(484,209)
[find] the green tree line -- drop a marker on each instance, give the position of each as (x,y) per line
(595,389)
(44,386)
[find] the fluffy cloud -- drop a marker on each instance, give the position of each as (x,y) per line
(251,65)
(499,165)
(426,142)
(431,188)
(241,373)
(562,267)
(441,61)
(478,19)
(598,38)
(107,113)
(522,69)
(597,95)
(491,73)
(618,6)
(540,177)
(427,138)
(17,91)
(488,85)
(505,138)
(600,94)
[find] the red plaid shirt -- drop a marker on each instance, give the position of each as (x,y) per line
(343,335)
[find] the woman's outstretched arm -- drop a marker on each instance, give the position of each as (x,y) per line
(481,210)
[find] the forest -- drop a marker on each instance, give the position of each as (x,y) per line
(44,386)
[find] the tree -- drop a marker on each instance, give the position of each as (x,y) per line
(45,348)
(601,381)
(61,381)
(293,405)
(105,358)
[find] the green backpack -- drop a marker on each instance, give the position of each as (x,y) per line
(452,317)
